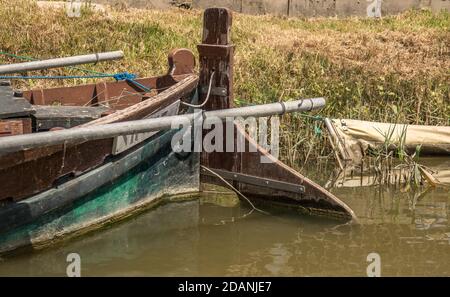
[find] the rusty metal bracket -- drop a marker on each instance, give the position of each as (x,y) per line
(256,181)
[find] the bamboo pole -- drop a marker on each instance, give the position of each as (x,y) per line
(334,141)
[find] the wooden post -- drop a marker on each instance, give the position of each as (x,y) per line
(216,56)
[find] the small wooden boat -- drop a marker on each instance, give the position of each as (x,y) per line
(58,189)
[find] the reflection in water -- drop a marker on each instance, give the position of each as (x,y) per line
(409,230)
(280,255)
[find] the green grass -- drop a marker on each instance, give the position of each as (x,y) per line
(396,69)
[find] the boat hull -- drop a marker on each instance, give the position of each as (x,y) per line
(157,172)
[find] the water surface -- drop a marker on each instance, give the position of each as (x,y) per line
(208,237)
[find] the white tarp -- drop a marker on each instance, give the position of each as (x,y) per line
(356,137)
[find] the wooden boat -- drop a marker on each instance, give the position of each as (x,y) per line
(55,191)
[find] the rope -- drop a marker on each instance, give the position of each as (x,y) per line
(315,118)
(234,189)
(54,77)
(118,76)
(283,107)
(207,95)
(317,130)
(310,100)
(130,78)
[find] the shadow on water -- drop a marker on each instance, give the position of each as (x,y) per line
(409,230)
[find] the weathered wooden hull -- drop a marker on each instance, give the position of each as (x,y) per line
(27,172)
(106,194)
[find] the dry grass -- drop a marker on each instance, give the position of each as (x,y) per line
(395,69)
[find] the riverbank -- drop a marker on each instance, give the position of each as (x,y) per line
(395,69)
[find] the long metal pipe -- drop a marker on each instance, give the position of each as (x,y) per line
(28,141)
(60,62)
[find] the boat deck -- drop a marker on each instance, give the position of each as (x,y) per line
(15,111)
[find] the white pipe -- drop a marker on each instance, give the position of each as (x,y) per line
(28,141)
(60,62)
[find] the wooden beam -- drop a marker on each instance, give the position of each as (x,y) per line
(48,117)
(216,56)
(256,181)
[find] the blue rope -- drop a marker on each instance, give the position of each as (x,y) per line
(118,76)
(131,78)
(54,77)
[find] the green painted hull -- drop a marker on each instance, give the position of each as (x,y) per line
(162,174)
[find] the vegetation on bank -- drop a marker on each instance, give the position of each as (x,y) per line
(395,69)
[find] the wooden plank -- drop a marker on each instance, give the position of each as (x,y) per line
(125,142)
(35,174)
(15,126)
(48,117)
(181,62)
(142,109)
(256,181)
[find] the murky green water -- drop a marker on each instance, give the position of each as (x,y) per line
(409,230)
